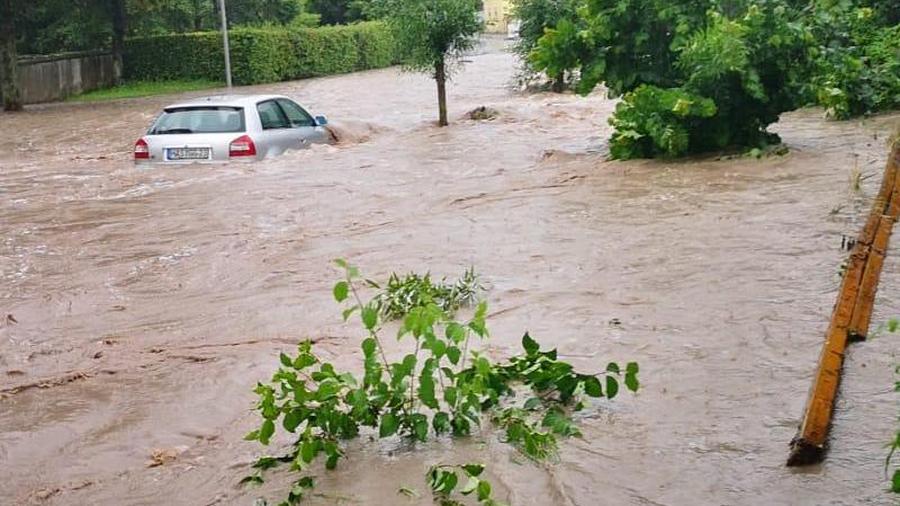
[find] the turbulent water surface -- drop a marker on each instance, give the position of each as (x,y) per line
(144,304)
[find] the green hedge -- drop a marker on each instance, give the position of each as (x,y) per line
(261,55)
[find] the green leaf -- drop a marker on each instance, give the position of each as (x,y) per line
(473,469)
(286,360)
(331,461)
(453,354)
(341,291)
(484,490)
(389,425)
(308,451)
(441,422)
(592,387)
(420,426)
(266,431)
(252,436)
(442,482)
(612,387)
(470,486)
(532,404)
(613,368)
(408,366)
(895,482)
(369,345)
(455,332)
(291,420)
(530,345)
(631,382)
(426,388)
(303,361)
(349,311)
(450,395)
(340,262)
(369,317)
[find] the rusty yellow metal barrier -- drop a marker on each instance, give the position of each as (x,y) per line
(851,316)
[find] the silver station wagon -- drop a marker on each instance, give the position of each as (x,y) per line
(233,127)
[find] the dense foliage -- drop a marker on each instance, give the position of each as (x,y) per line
(693,79)
(433,36)
(261,55)
(705,75)
(52,26)
(402,294)
(893,326)
(857,58)
(442,386)
(536,16)
(338,12)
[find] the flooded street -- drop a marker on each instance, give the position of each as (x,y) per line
(145,304)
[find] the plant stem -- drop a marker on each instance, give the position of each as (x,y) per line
(412,382)
(371,332)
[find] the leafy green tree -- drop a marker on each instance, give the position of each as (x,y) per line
(9,86)
(694,79)
(857,57)
(339,12)
(536,16)
(433,36)
(255,12)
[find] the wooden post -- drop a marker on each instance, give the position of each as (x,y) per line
(851,316)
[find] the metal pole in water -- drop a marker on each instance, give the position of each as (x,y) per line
(225,43)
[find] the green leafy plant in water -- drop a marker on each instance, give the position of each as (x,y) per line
(738,65)
(894,445)
(442,386)
(444,481)
(402,294)
(652,121)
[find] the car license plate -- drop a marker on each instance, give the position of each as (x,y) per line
(187,153)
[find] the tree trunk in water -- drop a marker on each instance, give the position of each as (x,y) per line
(120,27)
(9,75)
(440,75)
(559,84)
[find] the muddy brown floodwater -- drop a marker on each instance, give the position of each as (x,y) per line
(146,303)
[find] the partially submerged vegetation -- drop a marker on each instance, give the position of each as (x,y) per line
(892,326)
(432,37)
(443,386)
(402,294)
(699,76)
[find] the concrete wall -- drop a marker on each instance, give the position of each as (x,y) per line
(496,15)
(52,78)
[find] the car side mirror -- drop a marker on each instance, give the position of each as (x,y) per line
(321,121)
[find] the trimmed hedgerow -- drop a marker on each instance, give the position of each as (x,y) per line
(261,55)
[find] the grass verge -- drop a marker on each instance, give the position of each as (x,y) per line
(137,89)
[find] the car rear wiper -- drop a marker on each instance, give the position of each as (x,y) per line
(174,131)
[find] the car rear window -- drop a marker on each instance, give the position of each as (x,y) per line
(199,120)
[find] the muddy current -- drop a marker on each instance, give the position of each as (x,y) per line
(139,307)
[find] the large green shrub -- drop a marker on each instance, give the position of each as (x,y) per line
(652,121)
(857,60)
(535,16)
(261,55)
(695,79)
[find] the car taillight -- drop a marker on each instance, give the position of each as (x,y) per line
(141,150)
(242,146)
